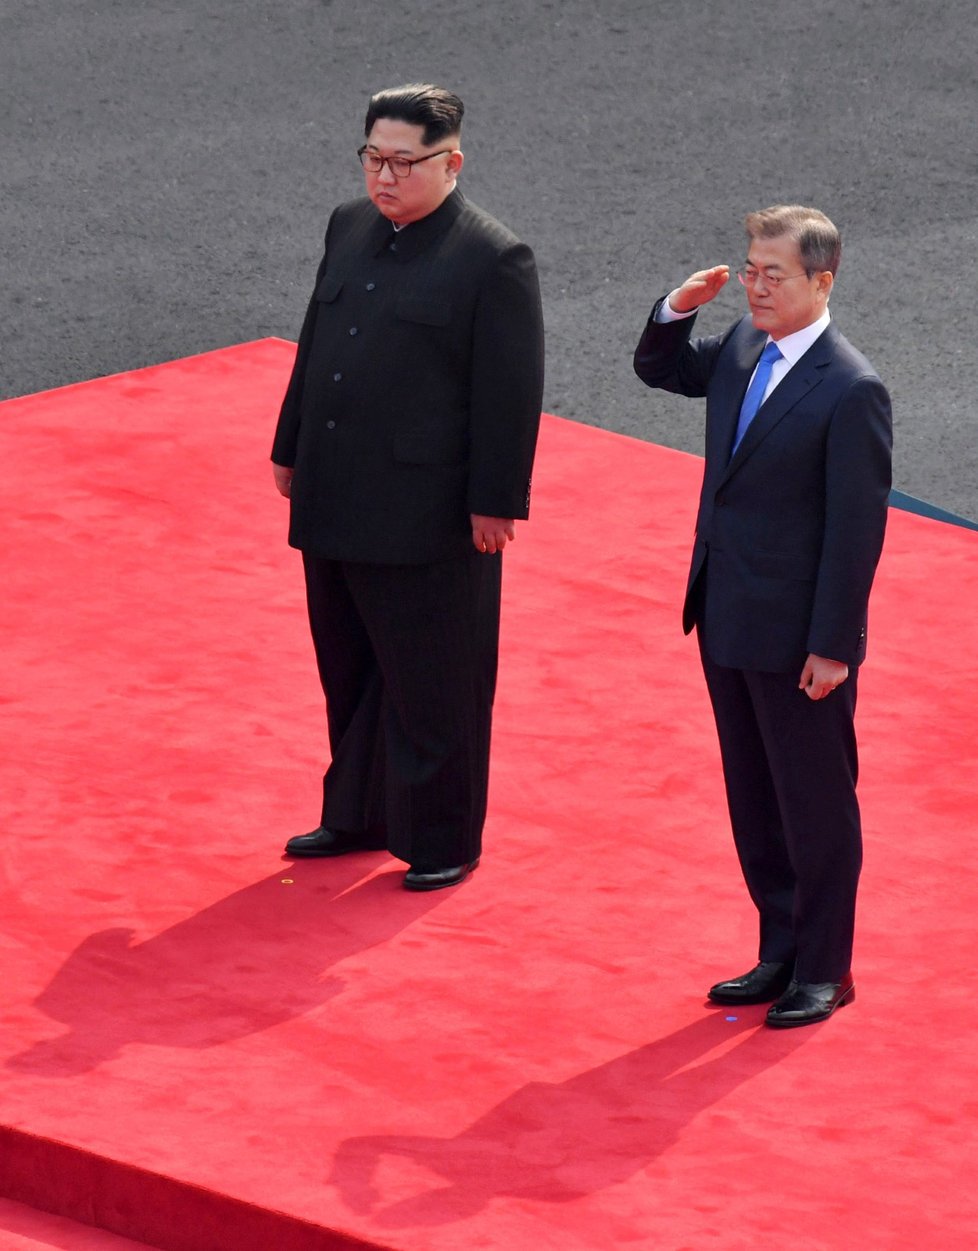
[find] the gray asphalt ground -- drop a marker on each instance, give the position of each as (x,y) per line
(168,167)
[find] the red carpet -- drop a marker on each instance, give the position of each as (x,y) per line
(206,1046)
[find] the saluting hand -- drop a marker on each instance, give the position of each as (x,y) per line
(699,288)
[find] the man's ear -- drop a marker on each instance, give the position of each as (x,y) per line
(454,163)
(825,281)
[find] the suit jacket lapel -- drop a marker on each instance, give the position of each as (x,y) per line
(746,345)
(799,380)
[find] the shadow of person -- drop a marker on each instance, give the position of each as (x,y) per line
(248,962)
(556,1142)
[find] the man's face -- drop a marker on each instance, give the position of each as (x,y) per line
(409,199)
(782,308)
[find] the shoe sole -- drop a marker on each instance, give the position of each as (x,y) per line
(746,1001)
(324,855)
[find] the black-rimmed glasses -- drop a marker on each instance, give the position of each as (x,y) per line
(399,166)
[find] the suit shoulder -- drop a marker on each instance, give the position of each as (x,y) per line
(744,332)
(849,358)
(350,215)
(739,343)
(482,226)
(353,210)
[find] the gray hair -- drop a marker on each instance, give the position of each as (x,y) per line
(818,239)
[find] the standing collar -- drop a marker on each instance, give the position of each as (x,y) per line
(413,238)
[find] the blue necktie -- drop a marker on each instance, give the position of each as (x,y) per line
(755,392)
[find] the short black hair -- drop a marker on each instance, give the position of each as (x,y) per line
(420,104)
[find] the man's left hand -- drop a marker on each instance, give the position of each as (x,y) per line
(491,534)
(820,676)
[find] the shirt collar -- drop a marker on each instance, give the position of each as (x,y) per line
(794,346)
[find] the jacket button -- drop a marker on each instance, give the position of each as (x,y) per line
(331,425)
(337,377)
(371,286)
(353,330)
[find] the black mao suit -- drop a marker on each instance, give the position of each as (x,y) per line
(788,536)
(414,402)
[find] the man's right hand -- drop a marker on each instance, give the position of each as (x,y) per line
(283,479)
(699,288)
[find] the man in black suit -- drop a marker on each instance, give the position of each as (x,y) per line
(405,444)
(788,535)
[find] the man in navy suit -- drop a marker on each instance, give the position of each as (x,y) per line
(788,535)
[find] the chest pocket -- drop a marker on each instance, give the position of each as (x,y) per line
(328,289)
(424,312)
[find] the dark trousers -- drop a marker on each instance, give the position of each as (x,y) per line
(407,657)
(790,769)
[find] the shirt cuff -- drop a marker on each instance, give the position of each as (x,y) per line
(665,311)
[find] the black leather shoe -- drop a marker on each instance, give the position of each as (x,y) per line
(804,1003)
(324,842)
(422,877)
(766,981)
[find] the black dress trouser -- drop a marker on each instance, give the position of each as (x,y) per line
(407,656)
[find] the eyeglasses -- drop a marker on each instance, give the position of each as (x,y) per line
(399,166)
(749,276)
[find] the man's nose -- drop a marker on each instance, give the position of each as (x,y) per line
(385,174)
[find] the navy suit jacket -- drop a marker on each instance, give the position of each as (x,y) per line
(791,526)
